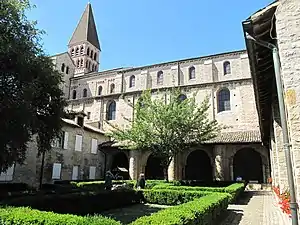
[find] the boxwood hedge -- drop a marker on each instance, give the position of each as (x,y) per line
(27,216)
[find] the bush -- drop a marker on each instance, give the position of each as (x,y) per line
(200,183)
(171,197)
(13,187)
(200,211)
(27,216)
(78,203)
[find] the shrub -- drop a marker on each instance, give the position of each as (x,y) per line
(27,216)
(200,183)
(78,203)
(171,197)
(200,211)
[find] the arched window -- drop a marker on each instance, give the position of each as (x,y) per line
(192,73)
(223,100)
(87,64)
(84,93)
(160,77)
(111,111)
(112,88)
(92,53)
(227,68)
(78,63)
(88,51)
(67,70)
(96,68)
(63,67)
(100,90)
(81,50)
(81,63)
(182,97)
(132,81)
(95,56)
(77,51)
(73,52)
(74,94)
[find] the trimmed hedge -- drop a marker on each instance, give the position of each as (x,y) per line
(78,203)
(171,197)
(201,211)
(27,216)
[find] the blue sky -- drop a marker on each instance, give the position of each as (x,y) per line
(143,32)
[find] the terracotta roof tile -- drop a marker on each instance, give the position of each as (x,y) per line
(236,137)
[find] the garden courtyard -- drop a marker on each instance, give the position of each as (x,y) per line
(177,202)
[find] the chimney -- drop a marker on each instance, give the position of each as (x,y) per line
(79,118)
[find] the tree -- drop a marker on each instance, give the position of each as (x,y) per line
(31,101)
(167,127)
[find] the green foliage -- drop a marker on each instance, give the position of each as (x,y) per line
(167,127)
(200,211)
(27,216)
(171,197)
(30,97)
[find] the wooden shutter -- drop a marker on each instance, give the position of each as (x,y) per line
(92,174)
(56,171)
(94,146)
(66,140)
(78,143)
(75,173)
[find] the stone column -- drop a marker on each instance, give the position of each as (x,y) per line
(264,173)
(218,163)
(172,170)
(231,172)
(133,165)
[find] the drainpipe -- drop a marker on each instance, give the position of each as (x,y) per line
(283,119)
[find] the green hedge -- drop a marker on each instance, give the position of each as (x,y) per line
(201,211)
(171,197)
(78,203)
(27,216)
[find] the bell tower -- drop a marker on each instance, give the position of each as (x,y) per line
(84,46)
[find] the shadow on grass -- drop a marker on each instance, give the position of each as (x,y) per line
(128,214)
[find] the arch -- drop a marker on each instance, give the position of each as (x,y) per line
(192,73)
(247,163)
(182,97)
(226,67)
(120,160)
(223,100)
(77,51)
(74,93)
(92,53)
(160,77)
(132,81)
(95,56)
(112,88)
(81,50)
(67,70)
(198,166)
(88,51)
(63,67)
(84,93)
(154,169)
(111,111)
(100,90)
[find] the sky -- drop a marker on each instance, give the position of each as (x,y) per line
(143,32)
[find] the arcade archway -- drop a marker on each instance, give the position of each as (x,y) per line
(247,163)
(154,169)
(119,163)
(198,166)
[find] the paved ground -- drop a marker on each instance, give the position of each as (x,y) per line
(256,207)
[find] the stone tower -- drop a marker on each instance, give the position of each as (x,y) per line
(84,46)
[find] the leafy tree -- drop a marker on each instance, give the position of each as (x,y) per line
(31,101)
(167,127)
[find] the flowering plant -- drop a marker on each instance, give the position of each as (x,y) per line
(284,200)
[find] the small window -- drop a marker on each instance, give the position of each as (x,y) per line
(112,88)
(182,97)
(78,63)
(227,68)
(88,51)
(92,53)
(88,115)
(95,56)
(192,73)
(77,51)
(84,93)
(96,68)
(63,67)
(74,94)
(100,90)
(111,112)
(81,50)
(67,70)
(89,65)
(224,100)
(56,171)
(73,52)
(160,78)
(81,63)
(93,67)
(132,81)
